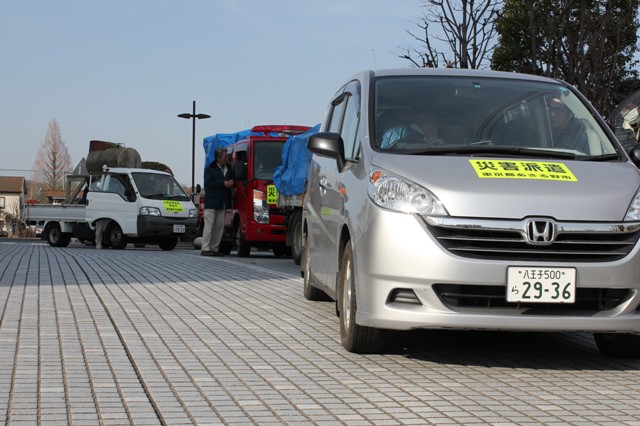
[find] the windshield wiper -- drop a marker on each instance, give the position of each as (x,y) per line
(603,157)
(497,150)
(153,196)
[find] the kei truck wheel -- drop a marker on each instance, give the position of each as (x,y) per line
(116,237)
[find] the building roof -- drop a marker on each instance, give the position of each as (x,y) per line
(12,184)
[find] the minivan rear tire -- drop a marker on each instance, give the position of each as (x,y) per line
(355,338)
(310,292)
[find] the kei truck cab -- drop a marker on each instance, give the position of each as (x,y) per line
(465,199)
(254,219)
(140,206)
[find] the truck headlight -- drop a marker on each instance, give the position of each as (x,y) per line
(395,193)
(260,207)
(633,213)
(149,211)
(193,213)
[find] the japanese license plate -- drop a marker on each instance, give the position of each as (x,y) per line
(542,285)
(178,229)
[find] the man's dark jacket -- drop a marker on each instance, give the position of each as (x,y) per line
(216,195)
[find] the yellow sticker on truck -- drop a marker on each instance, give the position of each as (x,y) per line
(172,206)
(272,194)
(510,169)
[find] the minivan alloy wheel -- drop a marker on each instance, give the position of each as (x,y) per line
(354,337)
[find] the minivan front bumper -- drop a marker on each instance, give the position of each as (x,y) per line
(406,279)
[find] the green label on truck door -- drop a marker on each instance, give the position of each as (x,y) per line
(272,194)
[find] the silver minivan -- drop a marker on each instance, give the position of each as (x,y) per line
(462,199)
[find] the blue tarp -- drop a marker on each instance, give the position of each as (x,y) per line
(210,143)
(291,177)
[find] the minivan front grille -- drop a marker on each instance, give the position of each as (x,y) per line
(588,300)
(512,240)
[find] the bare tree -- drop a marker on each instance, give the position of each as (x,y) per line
(11,217)
(53,159)
(468,33)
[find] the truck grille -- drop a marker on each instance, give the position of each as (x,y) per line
(520,240)
(588,300)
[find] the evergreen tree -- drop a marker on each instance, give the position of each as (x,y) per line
(588,43)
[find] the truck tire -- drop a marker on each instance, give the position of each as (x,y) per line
(244,248)
(115,236)
(295,226)
(55,237)
(168,243)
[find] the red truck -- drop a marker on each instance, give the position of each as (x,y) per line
(255,220)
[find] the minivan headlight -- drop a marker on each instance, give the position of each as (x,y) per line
(633,213)
(395,193)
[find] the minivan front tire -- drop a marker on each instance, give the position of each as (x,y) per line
(620,345)
(355,338)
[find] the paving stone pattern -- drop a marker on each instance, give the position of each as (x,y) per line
(117,337)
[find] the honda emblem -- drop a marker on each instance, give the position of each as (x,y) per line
(540,231)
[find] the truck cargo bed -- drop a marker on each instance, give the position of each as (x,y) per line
(59,212)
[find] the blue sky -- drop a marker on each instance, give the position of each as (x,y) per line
(121,70)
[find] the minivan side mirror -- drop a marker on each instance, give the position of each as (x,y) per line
(635,154)
(240,170)
(328,145)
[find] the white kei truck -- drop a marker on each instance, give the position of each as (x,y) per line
(142,206)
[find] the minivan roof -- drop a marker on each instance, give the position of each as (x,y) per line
(454,72)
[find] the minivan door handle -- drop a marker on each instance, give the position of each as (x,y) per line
(323,184)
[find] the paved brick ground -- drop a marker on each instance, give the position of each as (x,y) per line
(151,337)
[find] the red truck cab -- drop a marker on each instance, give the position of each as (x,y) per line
(254,219)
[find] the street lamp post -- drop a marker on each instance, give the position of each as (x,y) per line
(193,116)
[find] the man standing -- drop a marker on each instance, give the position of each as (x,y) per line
(101,226)
(218,182)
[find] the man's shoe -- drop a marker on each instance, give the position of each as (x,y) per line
(217,253)
(207,253)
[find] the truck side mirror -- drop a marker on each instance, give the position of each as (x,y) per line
(240,170)
(129,194)
(328,145)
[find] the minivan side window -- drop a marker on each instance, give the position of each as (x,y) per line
(345,115)
(336,114)
(350,127)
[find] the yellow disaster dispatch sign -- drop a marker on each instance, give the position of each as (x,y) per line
(510,169)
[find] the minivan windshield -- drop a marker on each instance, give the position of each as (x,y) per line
(158,186)
(440,114)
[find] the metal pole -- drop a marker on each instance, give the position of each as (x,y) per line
(193,152)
